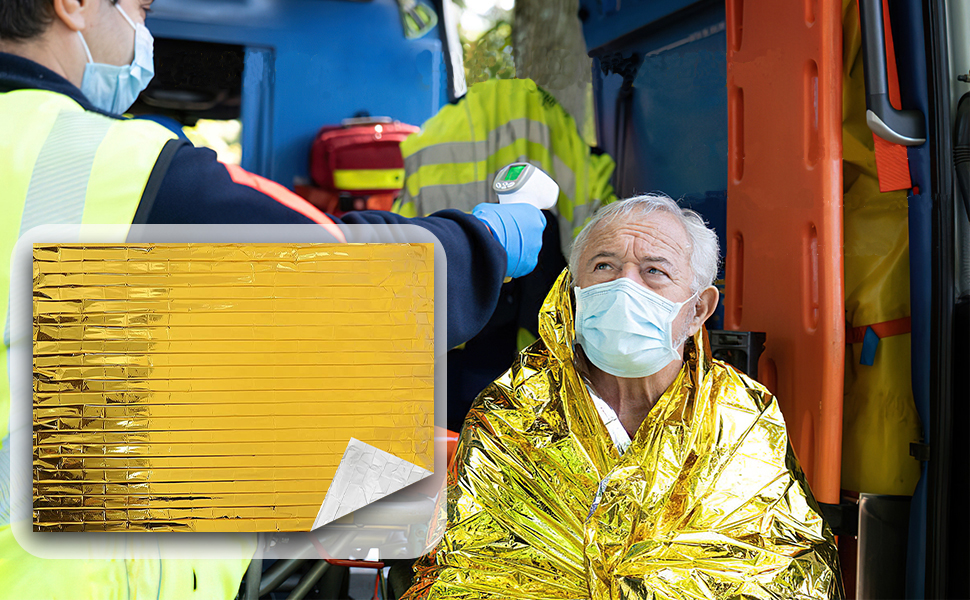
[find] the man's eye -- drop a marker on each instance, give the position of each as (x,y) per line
(655,271)
(601,267)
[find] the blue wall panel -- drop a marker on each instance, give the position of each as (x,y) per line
(608,20)
(310,63)
(910,44)
(680,119)
(676,129)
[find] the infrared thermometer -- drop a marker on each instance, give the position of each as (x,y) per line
(524,183)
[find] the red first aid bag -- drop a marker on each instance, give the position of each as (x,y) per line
(360,156)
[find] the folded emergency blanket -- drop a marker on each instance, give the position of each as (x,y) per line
(228,387)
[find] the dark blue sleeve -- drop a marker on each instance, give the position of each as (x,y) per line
(476,265)
(197,189)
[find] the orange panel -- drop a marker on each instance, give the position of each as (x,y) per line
(892,160)
(784,214)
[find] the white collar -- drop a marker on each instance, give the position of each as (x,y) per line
(613,425)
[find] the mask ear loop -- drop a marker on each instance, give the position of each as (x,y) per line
(85,44)
(127,18)
(682,305)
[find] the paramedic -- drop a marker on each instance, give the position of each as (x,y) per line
(68,68)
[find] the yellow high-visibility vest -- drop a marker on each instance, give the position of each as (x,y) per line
(452,162)
(61,164)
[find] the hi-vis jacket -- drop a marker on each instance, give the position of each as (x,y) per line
(708,501)
(62,164)
(452,162)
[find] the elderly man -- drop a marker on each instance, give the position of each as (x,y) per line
(616,459)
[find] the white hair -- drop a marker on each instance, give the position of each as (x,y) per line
(703,248)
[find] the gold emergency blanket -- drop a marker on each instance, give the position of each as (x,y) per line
(708,502)
(215,387)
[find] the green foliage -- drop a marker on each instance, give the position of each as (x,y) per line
(490,56)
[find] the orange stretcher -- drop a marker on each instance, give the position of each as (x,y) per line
(784,215)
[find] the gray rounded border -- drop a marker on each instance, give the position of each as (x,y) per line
(388,528)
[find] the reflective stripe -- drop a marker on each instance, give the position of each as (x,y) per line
(6,327)
(368,179)
(59,182)
(453,195)
(566,224)
(446,153)
(582,213)
(285,197)
(565,178)
(77,149)
(7,476)
(496,139)
(436,197)
(58,186)
(5,507)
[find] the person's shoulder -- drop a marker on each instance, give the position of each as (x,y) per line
(141,134)
(197,189)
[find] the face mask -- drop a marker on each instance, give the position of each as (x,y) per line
(112,88)
(625,329)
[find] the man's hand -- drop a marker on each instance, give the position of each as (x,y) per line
(518,227)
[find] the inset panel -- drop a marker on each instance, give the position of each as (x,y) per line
(215,387)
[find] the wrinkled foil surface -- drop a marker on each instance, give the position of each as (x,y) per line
(215,387)
(708,502)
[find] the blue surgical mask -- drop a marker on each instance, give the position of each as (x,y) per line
(625,329)
(112,88)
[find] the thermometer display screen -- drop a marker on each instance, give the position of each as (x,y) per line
(514,172)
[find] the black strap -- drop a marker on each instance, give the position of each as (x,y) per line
(155,180)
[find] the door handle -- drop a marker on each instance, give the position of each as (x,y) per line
(904,127)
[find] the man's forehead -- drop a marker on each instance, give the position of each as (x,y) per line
(659,233)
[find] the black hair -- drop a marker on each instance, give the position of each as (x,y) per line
(25,19)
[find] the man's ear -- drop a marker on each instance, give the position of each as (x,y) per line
(73,13)
(706,303)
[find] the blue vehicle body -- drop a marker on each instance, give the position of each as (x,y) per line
(310,63)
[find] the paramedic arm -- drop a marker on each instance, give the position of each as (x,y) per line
(477,265)
(197,189)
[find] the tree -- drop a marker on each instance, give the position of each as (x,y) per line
(490,55)
(550,49)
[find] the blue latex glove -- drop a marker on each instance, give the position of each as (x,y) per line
(518,227)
